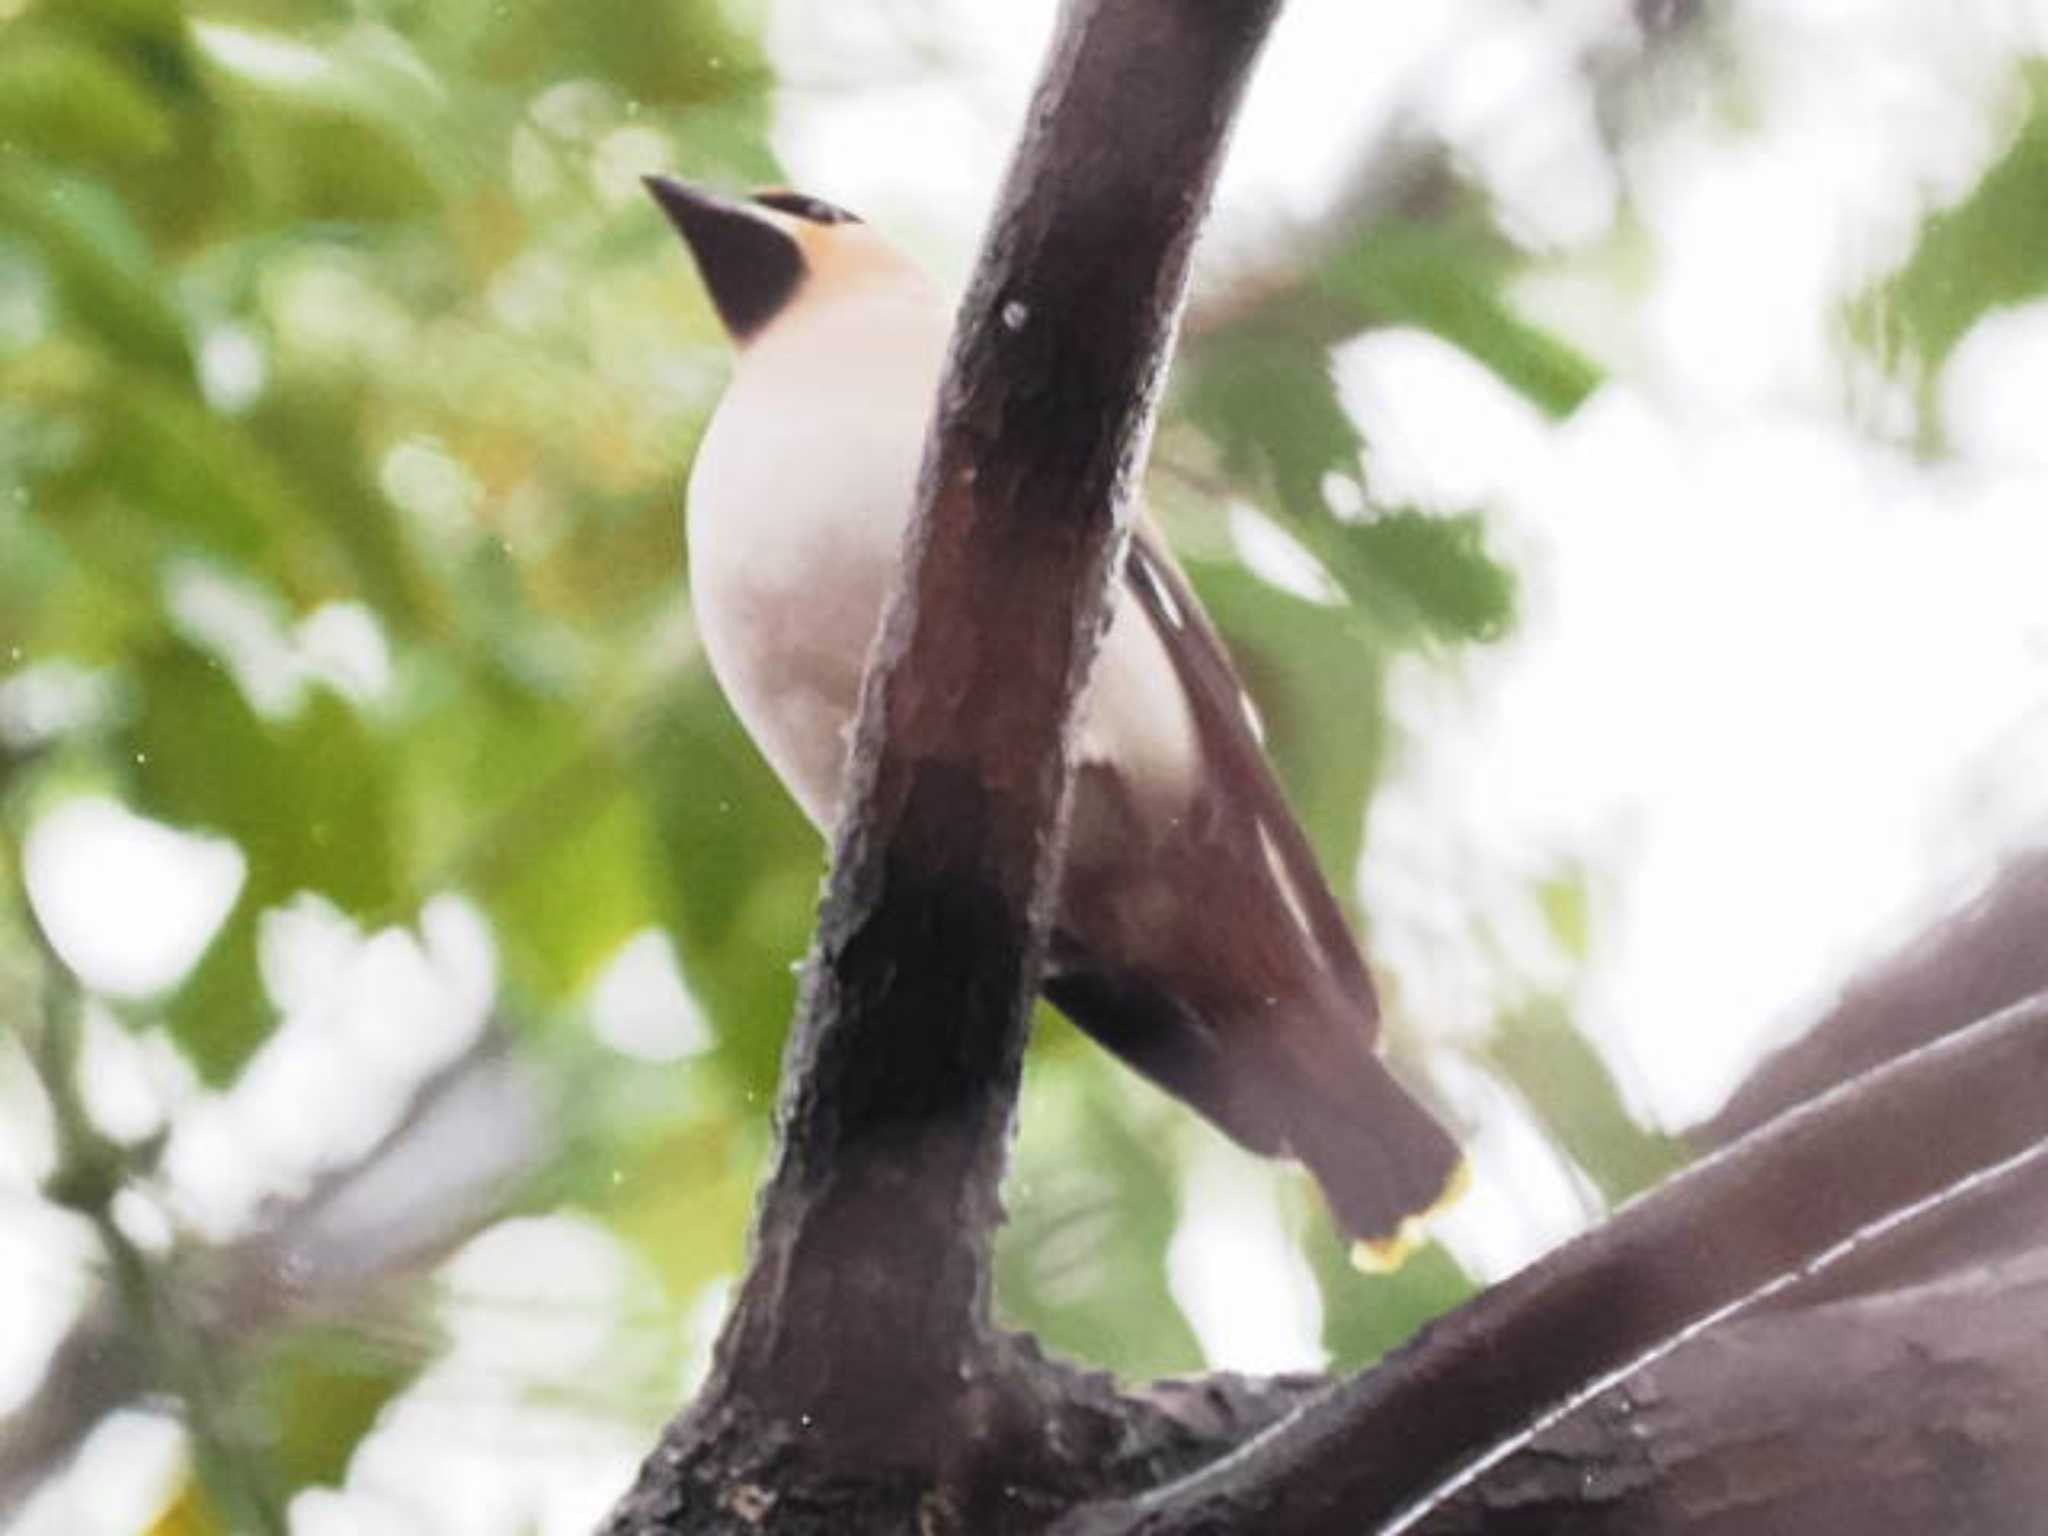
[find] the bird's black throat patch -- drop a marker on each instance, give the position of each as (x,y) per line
(751,269)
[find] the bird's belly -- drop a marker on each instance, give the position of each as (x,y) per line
(787,610)
(793,545)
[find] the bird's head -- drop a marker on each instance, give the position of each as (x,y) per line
(765,256)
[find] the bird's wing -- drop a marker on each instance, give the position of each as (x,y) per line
(1201,944)
(1235,766)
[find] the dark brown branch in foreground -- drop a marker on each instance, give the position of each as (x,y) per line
(1768,1206)
(1913,1409)
(859,1351)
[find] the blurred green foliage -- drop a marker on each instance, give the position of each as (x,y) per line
(1987,251)
(343,304)
(1577,1101)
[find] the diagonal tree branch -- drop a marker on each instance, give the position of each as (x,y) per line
(1802,1192)
(1987,954)
(350,1247)
(1912,1407)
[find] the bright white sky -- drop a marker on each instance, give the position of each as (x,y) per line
(1779,689)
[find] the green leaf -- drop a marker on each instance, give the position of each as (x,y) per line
(54,605)
(1989,250)
(567,908)
(321,1391)
(72,102)
(1415,572)
(156,473)
(1093,1195)
(497,771)
(682,1196)
(1445,275)
(135,22)
(1567,913)
(307,799)
(742,873)
(1563,1079)
(219,1014)
(658,52)
(1364,1316)
(1265,396)
(177,461)
(101,263)
(294,424)
(349,132)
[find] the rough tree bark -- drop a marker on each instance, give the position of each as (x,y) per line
(859,1384)
(1911,1410)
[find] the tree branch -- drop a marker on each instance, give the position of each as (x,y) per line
(1986,955)
(1798,1194)
(347,1248)
(1914,1408)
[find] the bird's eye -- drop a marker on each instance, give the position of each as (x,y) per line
(816,209)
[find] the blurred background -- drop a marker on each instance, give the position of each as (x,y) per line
(1609,434)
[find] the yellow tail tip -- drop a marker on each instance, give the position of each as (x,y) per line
(1384,1255)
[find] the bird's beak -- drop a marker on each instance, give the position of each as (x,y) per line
(692,209)
(751,267)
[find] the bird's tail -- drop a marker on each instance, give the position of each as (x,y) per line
(1384,1163)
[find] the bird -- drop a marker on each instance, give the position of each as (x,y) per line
(1194,935)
